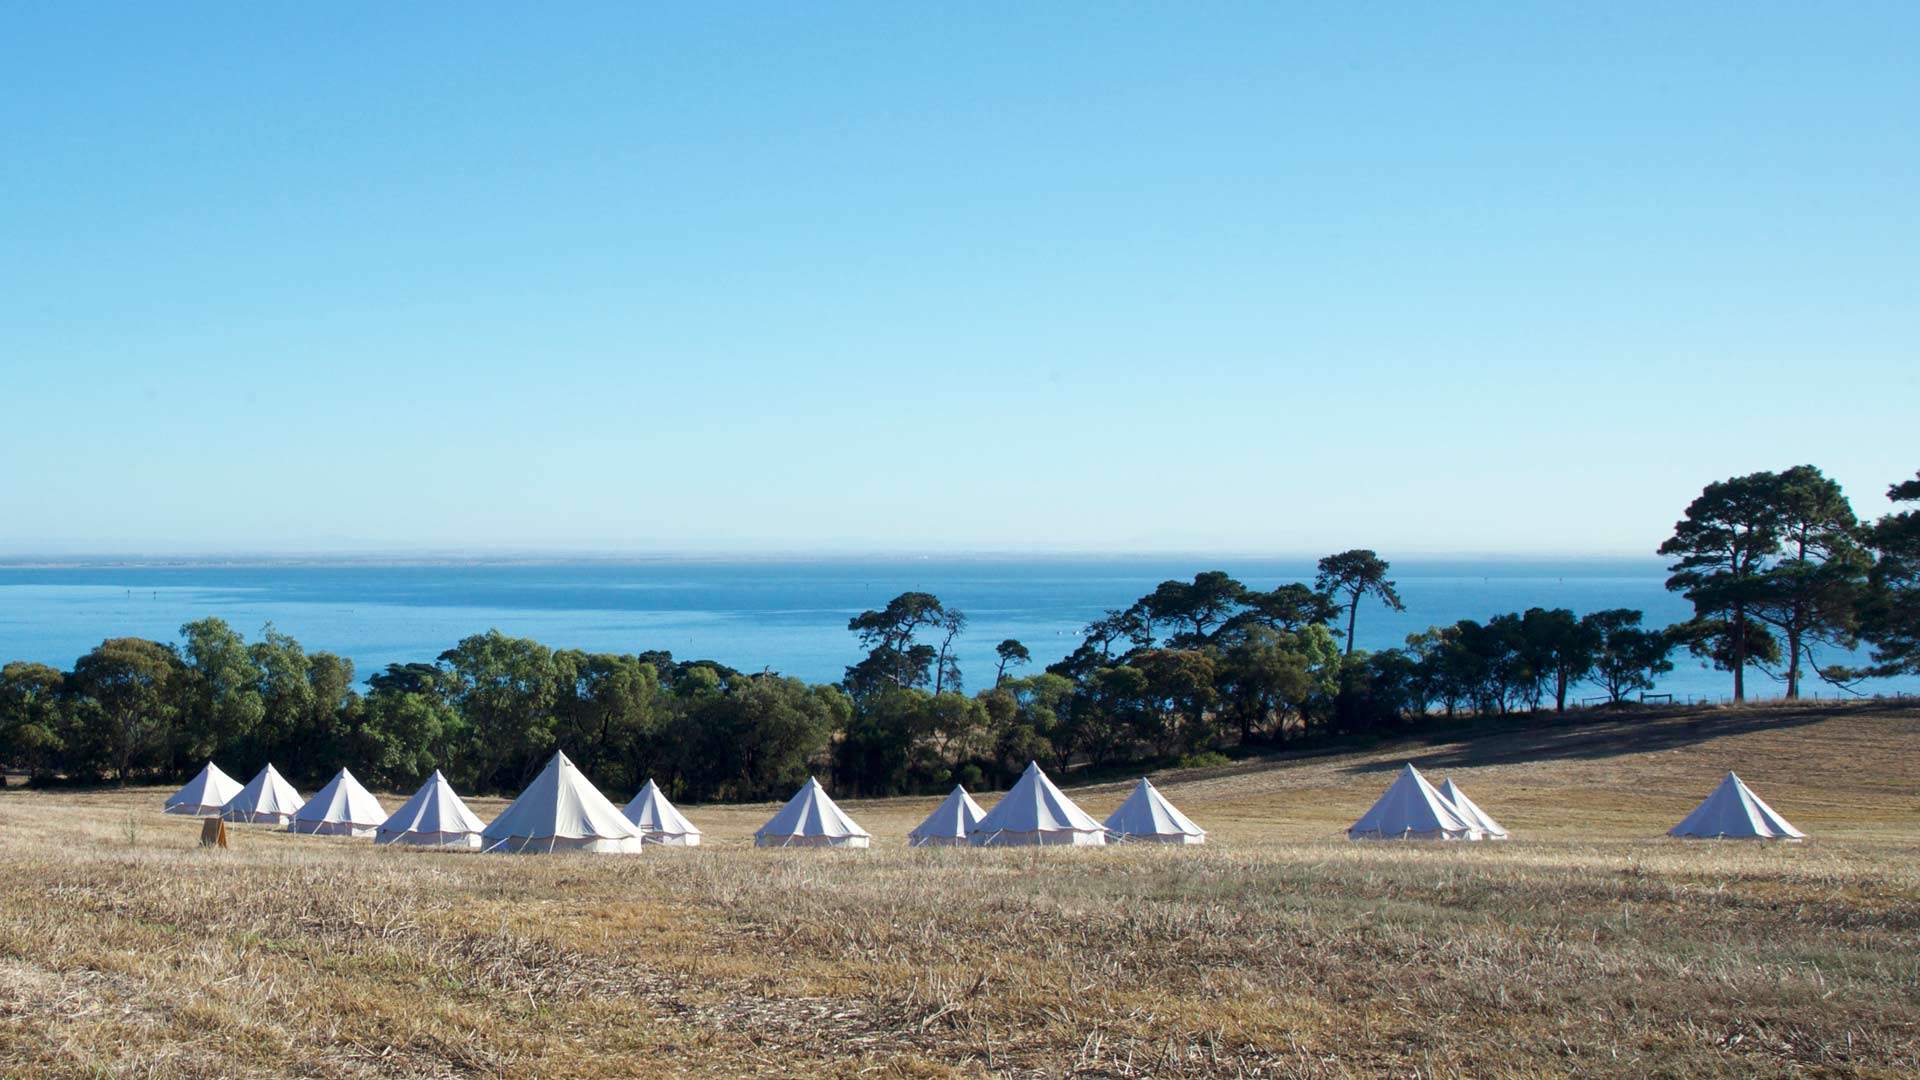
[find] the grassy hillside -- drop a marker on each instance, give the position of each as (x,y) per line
(1589,944)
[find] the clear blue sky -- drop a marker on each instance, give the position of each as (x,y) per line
(793,277)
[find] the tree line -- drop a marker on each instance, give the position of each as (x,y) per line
(1774,563)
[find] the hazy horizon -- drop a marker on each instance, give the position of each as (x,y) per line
(31,559)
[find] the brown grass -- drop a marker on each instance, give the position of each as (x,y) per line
(1587,945)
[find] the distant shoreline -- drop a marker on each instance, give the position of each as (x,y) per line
(454,559)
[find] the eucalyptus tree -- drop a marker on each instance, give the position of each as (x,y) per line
(220,699)
(505,688)
(1356,575)
(894,657)
(1721,550)
(1626,657)
(1194,608)
(32,719)
(333,713)
(946,665)
(755,736)
(1030,721)
(608,710)
(1503,672)
(1559,650)
(1267,676)
(287,703)
(1810,594)
(1290,607)
(1116,632)
(1111,715)
(128,688)
(1011,654)
(406,730)
(1440,667)
(1181,688)
(1488,666)
(1890,609)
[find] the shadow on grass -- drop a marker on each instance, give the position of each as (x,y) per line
(1596,735)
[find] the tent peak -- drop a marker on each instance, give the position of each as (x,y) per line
(658,819)
(1034,811)
(561,810)
(950,822)
(810,819)
(1147,815)
(1735,811)
(1412,808)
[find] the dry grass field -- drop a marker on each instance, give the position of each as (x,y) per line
(1587,945)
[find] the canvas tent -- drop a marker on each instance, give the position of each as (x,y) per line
(811,819)
(205,794)
(434,817)
(266,800)
(1035,812)
(342,808)
(1734,812)
(949,823)
(1148,816)
(560,811)
(1470,811)
(1412,810)
(658,820)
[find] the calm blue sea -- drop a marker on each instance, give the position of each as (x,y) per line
(788,616)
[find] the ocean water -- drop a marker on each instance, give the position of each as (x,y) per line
(788,616)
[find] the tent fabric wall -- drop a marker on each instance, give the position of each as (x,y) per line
(342,808)
(1734,812)
(1410,809)
(811,819)
(949,823)
(1470,811)
(435,816)
(659,821)
(1036,813)
(560,811)
(1147,817)
(267,799)
(205,794)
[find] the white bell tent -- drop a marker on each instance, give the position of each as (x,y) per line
(811,819)
(561,811)
(1148,816)
(949,823)
(1412,810)
(1734,812)
(1035,812)
(266,800)
(205,794)
(342,808)
(434,817)
(1470,811)
(659,821)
